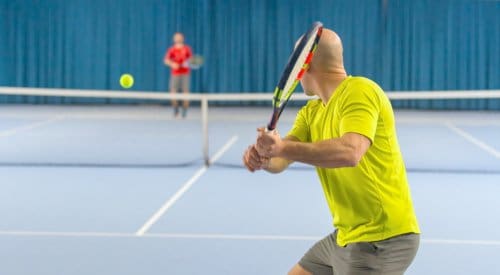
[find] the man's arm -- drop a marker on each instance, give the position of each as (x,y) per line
(253,161)
(169,62)
(345,151)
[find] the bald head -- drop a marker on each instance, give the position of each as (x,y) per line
(326,70)
(329,54)
(178,38)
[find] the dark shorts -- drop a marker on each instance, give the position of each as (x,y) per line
(389,257)
(179,83)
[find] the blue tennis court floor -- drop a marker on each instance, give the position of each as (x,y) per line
(116,209)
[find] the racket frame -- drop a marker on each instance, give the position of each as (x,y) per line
(279,99)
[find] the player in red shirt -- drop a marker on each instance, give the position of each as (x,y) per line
(177,58)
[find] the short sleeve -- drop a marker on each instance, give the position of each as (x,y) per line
(360,112)
(189,53)
(168,54)
(300,128)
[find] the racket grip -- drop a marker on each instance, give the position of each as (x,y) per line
(272,124)
(270,128)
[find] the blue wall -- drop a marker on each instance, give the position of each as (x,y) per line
(403,45)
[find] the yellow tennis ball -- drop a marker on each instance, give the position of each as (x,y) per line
(126,81)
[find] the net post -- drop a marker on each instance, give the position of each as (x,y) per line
(204,128)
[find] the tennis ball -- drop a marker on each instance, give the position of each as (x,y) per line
(126,81)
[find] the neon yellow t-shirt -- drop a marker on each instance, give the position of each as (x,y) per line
(369,202)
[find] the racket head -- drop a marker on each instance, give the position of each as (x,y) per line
(297,65)
(196,61)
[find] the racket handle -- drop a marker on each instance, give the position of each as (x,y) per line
(272,124)
(270,128)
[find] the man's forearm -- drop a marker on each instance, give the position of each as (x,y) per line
(169,62)
(332,153)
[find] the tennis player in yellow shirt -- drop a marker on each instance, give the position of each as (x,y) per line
(349,134)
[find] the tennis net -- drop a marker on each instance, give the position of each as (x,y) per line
(138,130)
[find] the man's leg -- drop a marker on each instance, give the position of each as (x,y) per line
(185,79)
(398,253)
(317,260)
(388,257)
(174,87)
(299,270)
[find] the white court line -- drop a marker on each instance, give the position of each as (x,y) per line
(218,237)
(235,237)
(462,242)
(474,140)
(164,208)
(223,149)
(300,238)
(31,126)
(67,234)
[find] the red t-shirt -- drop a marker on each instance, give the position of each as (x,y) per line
(179,55)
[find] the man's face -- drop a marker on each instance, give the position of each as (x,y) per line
(306,81)
(307,84)
(178,38)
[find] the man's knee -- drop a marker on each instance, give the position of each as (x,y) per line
(298,270)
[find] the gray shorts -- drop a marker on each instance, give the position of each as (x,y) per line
(179,83)
(389,257)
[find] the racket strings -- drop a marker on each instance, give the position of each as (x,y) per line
(297,65)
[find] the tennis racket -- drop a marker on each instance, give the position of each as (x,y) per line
(195,62)
(297,65)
